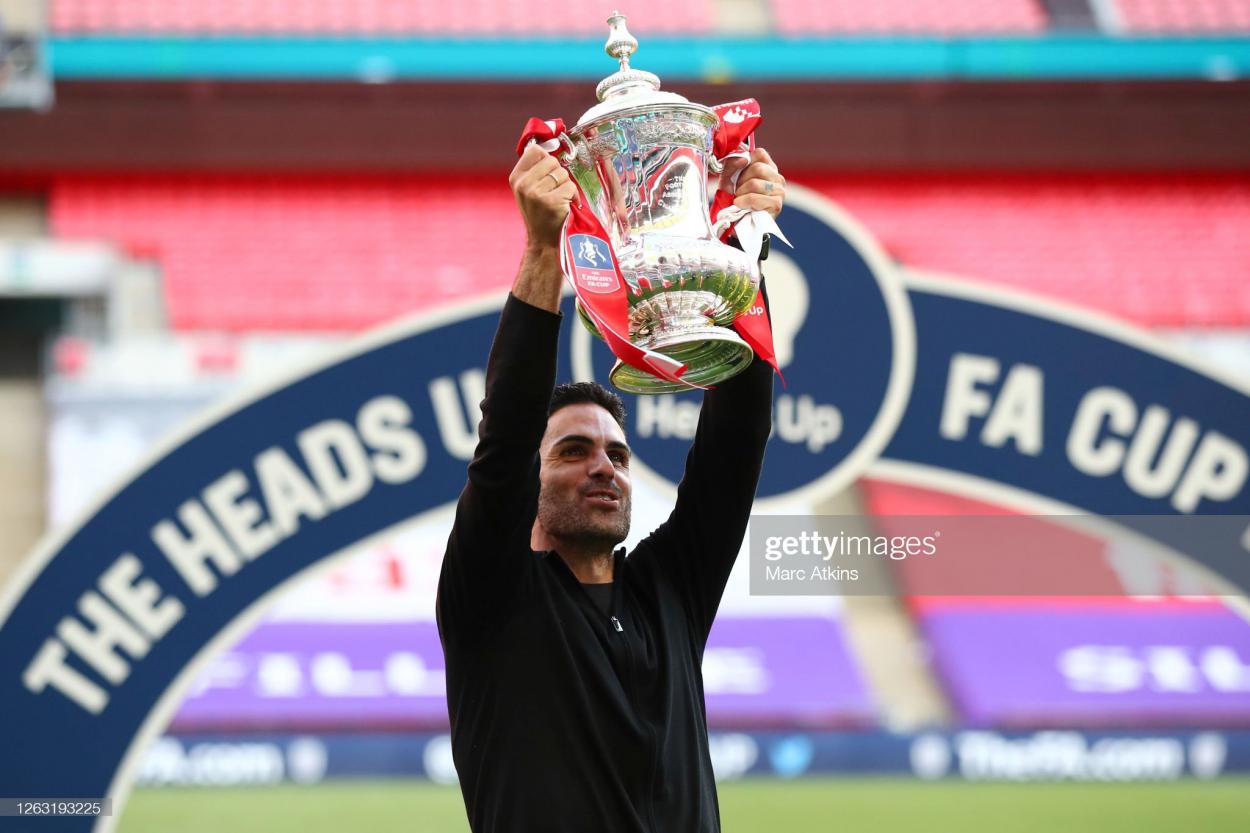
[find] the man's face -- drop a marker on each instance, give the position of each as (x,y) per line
(584,494)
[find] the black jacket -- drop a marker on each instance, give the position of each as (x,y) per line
(563,718)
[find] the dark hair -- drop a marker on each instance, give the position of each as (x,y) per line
(578,393)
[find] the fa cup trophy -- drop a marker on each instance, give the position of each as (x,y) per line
(640,247)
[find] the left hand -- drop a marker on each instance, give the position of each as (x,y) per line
(760,186)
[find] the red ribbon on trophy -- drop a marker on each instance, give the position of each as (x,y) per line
(735,138)
(590,265)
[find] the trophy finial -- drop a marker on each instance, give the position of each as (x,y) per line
(621,44)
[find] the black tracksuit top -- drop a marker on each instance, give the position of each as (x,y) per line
(563,718)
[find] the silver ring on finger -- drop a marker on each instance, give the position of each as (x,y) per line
(554,178)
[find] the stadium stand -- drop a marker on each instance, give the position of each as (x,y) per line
(811,17)
(1181,16)
(758,672)
(1038,664)
(1166,655)
(243,254)
(357,17)
(583,17)
(345,253)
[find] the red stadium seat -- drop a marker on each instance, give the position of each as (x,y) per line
(1163,251)
(856,17)
(244,253)
(1119,653)
(1194,16)
(254,253)
(360,17)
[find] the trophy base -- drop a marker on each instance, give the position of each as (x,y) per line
(711,354)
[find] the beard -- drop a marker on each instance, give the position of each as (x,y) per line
(563,517)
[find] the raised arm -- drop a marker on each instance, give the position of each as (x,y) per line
(487,549)
(543,193)
(698,544)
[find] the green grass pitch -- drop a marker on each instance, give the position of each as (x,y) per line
(811,805)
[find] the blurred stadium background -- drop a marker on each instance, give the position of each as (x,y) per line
(194,195)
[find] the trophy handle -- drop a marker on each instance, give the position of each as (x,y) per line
(569,153)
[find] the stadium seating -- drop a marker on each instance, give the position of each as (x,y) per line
(1167,659)
(1183,16)
(1034,663)
(584,17)
(344,253)
(257,254)
(854,17)
(306,675)
(1159,251)
(362,17)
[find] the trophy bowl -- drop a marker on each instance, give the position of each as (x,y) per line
(641,158)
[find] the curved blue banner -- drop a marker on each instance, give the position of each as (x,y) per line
(1081,412)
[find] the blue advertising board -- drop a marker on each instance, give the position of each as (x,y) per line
(1067,755)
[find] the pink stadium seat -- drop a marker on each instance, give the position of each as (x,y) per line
(243,253)
(1079,554)
(857,17)
(327,254)
(1144,16)
(379,17)
(1159,251)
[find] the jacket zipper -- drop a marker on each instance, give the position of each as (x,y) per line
(617,567)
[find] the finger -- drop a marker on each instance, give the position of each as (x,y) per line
(557,204)
(759,185)
(761,171)
(544,175)
(551,180)
(564,194)
(759,202)
(532,156)
(732,165)
(761,155)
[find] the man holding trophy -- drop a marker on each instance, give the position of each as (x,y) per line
(574,671)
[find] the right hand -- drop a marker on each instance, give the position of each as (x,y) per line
(543,192)
(761,187)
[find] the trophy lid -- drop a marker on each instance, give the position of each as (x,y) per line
(626,88)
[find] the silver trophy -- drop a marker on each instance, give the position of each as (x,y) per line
(642,158)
